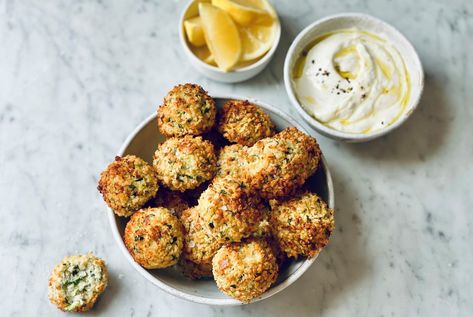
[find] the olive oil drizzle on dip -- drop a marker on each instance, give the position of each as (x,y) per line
(352,81)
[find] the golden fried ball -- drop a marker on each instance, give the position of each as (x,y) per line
(186,109)
(170,200)
(229,213)
(281,164)
(302,224)
(76,282)
(200,244)
(230,160)
(185,163)
(245,270)
(127,184)
(154,238)
(244,123)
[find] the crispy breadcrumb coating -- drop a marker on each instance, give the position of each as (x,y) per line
(302,224)
(154,238)
(185,163)
(273,167)
(76,282)
(200,244)
(279,165)
(224,214)
(245,270)
(244,123)
(231,160)
(230,214)
(186,109)
(127,184)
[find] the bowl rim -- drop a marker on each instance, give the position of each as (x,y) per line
(218,301)
(260,63)
(336,134)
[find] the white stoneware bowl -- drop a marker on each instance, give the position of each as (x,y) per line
(213,72)
(372,25)
(143,142)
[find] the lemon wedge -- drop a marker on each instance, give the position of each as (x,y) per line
(221,35)
(194,31)
(244,12)
(203,53)
(262,5)
(256,40)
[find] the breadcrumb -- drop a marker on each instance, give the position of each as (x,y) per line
(127,184)
(245,270)
(200,244)
(185,163)
(302,224)
(244,123)
(77,281)
(279,165)
(230,214)
(186,109)
(154,238)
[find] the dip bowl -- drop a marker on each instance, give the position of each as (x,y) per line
(365,23)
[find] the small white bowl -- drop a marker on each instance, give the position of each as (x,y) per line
(213,72)
(372,25)
(143,142)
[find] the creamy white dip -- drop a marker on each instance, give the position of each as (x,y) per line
(352,81)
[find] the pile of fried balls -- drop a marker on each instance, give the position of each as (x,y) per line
(225,195)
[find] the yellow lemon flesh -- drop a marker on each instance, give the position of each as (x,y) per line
(244,12)
(203,53)
(194,31)
(221,35)
(256,40)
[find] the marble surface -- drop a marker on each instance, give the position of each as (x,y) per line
(77,76)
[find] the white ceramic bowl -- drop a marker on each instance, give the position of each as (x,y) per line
(143,142)
(213,72)
(372,25)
